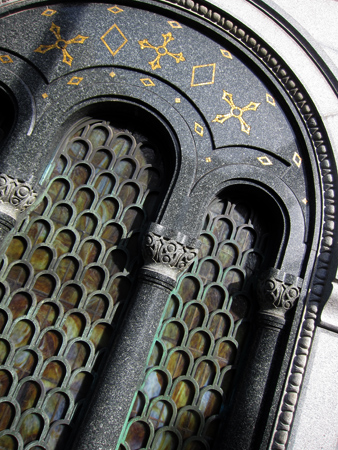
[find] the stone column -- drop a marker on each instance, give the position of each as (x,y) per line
(167,253)
(15,197)
(277,292)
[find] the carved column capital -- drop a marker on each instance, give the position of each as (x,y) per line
(15,195)
(168,251)
(278,291)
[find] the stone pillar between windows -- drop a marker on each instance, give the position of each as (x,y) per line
(167,254)
(277,292)
(15,197)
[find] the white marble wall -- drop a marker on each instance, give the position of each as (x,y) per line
(319,18)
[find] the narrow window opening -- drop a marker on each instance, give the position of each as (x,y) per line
(68,274)
(192,370)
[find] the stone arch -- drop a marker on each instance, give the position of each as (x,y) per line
(207,161)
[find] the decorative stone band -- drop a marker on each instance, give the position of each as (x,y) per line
(278,291)
(15,195)
(168,251)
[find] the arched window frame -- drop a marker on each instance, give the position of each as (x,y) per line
(307,143)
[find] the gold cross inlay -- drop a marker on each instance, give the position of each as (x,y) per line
(61,44)
(236,112)
(161,50)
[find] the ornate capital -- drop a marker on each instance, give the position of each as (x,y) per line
(15,195)
(169,249)
(277,290)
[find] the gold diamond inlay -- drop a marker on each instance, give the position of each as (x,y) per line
(75,81)
(208,159)
(49,12)
(199,129)
(115,34)
(305,201)
(226,53)
(44,95)
(115,9)
(5,59)
(147,82)
(270,100)
(112,74)
(265,161)
(174,24)
(203,75)
(177,100)
(297,159)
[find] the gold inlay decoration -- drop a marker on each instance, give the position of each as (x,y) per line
(161,50)
(305,201)
(147,82)
(118,33)
(115,9)
(199,129)
(211,76)
(236,112)
(61,44)
(265,161)
(174,24)
(44,95)
(226,53)
(208,159)
(177,100)
(5,59)
(297,159)
(112,74)
(75,81)
(49,12)
(270,99)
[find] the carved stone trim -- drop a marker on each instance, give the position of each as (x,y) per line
(168,251)
(277,290)
(15,195)
(294,381)
(172,250)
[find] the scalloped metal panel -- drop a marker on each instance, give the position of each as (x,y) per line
(66,279)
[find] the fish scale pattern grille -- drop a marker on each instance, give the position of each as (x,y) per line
(66,279)
(191,370)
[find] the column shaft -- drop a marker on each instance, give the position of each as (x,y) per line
(277,292)
(125,366)
(166,254)
(243,424)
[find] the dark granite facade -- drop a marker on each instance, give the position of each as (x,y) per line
(233,122)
